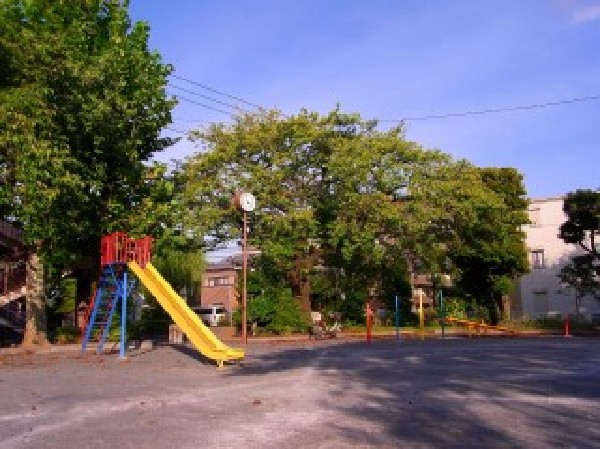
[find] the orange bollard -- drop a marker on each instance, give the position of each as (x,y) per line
(567,334)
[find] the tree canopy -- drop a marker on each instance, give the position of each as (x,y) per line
(491,249)
(582,228)
(82,104)
(336,196)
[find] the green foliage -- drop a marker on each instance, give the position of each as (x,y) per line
(556,323)
(276,311)
(261,309)
(352,308)
(82,105)
(67,334)
(287,316)
(490,250)
(154,322)
(504,285)
(583,274)
(114,334)
(457,308)
(334,210)
(67,300)
(182,269)
(582,228)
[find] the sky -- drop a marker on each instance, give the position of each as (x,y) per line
(399,59)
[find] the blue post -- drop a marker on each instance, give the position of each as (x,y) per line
(124,294)
(397,319)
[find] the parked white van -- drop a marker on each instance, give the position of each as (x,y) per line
(210,315)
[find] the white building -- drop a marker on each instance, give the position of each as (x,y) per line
(539,293)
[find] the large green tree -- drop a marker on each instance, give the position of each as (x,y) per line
(582,228)
(82,103)
(335,195)
(490,251)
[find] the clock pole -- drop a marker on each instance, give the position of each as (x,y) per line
(244,202)
(244,276)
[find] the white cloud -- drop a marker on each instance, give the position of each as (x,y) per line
(589,13)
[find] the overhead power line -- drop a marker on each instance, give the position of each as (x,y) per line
(208,97)
(218,92)
(495,110)
(425,117)
(206,106)
(439,116)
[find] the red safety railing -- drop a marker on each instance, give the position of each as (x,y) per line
(119,248)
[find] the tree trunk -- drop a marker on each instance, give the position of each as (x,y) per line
(300,279)
(35,302)
(305,296)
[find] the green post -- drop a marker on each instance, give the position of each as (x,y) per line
(442,313)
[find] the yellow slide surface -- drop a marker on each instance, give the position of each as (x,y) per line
(197,332)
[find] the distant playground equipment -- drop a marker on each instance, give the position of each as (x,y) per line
(474,327)
(119,252)
(477,327)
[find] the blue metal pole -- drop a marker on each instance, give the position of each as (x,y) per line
(397,319)
(124,294)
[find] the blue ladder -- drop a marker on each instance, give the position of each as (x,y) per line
(107,297)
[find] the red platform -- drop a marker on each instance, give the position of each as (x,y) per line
(119,248)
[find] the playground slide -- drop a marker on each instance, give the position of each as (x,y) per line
(200,335)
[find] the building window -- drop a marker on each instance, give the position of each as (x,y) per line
(215,281)
(535,216)
(537,258)
(541,304)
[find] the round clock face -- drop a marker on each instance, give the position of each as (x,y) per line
(247,202)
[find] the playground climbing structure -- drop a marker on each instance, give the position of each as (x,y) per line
(120,253)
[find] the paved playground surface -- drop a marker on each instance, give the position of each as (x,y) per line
(533,393)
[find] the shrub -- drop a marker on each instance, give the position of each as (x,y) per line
(261,309)
(154,322)
(353,308)
(463,308)
(67,334)
(287,314)
(276,311)
(554,323)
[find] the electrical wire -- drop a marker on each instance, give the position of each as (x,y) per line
(197,94)
(494,111)
(203,105)
(218,92)
(426,117)
(404,119)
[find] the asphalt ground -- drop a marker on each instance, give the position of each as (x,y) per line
(453,393)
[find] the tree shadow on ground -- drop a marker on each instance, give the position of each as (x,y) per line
(453,393)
